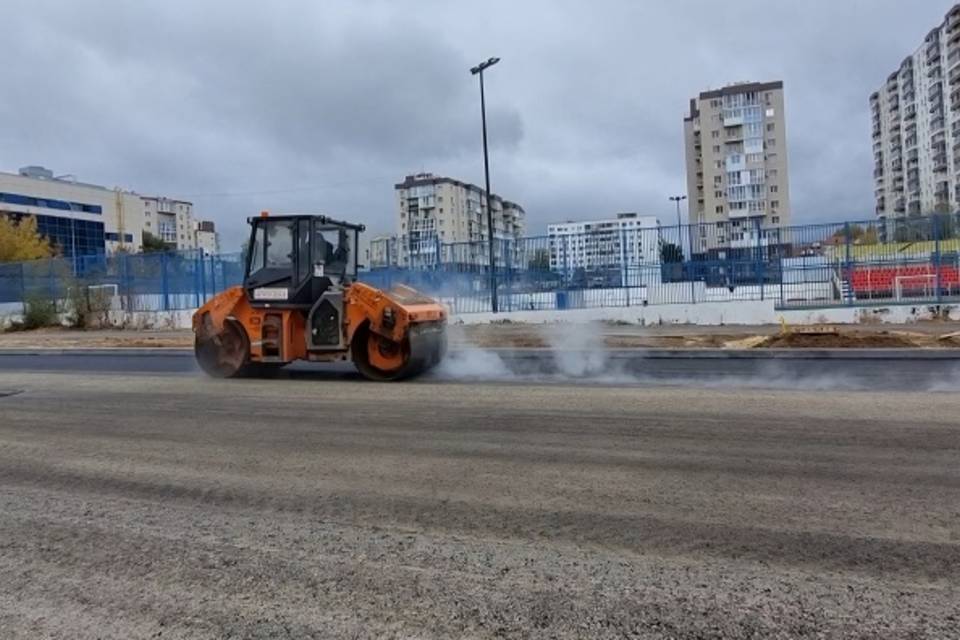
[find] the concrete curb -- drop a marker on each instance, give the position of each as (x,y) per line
(544,354)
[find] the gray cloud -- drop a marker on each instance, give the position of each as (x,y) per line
(299,105)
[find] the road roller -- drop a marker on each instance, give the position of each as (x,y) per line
(300,300)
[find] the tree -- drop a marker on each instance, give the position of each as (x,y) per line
(858,235)
(21,241)
(540,261)
(670,252)
(153,244)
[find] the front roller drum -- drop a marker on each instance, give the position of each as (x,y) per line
(381,359)
(226,354)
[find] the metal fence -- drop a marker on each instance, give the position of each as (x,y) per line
(138,282)
(846,263)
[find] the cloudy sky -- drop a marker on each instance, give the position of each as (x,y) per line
(323,106)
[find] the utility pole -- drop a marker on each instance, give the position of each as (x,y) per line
(478,71)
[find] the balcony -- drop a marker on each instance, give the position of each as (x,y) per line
(953,20)
(878,172)
(900,205)
(910,112)
(911,142)
(734,134)
(937,124)
(733,118)
(913,207)
(953,37)
(736,162)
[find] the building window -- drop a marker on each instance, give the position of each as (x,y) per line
(770,126)
(717,180)
(715,134)
(716,148)
(773,188)
(774,204)
(775,219)
(771,143)
(719,208)
(770,112)
(718,194)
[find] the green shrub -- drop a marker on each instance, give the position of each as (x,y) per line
(89,307)
(39,312)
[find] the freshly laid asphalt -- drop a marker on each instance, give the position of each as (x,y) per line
(849,369)
(482,501)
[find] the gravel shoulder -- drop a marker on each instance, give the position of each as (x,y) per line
(319,508)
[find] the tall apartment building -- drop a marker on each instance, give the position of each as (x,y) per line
(78,218)
(435,210)
(170,220)
(600,245)
(916,128)
(736,151)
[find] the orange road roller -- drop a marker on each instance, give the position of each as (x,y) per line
(300,301)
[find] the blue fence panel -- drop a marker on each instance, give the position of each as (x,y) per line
(913,260)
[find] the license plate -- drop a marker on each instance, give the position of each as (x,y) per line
(271,293)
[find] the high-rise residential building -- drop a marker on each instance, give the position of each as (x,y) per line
(435,211)
(596,246)
(170,220)
(78,218)
(916,128)
(736,151)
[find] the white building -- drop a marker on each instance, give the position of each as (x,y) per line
(206,237)
(170,220)
(435,211)
(603,246)
(80,219)
(916,128)
(383,252)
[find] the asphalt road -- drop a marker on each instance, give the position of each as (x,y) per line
(849,369)
(175,506)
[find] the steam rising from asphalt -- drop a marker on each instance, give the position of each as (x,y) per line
(577,353)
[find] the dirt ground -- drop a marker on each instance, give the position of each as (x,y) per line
(139,506)
(614,336)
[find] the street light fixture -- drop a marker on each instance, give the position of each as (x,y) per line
(478,70)
(678,200)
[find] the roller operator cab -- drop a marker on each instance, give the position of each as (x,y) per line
(300,301)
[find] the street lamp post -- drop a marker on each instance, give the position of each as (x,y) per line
(678,200)
(478,70)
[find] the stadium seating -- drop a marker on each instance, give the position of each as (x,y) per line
(882,281)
